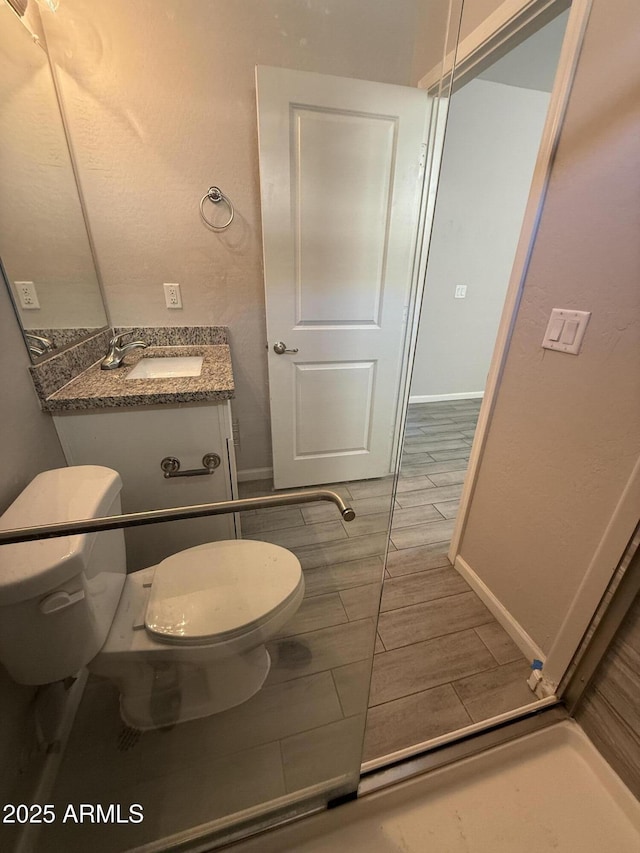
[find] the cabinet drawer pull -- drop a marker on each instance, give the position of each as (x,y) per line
(171,466)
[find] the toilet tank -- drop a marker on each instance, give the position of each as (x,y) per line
(58,596)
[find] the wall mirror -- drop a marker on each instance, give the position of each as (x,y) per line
(44,245)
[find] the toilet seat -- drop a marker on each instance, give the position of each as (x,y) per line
(220,590)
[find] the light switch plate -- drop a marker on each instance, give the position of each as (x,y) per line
(461,291)
(565,330)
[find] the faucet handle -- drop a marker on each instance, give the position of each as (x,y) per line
(118,338)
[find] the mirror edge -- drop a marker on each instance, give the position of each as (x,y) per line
(38,35)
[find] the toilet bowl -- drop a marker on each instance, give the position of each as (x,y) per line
(181,640)
(188,637)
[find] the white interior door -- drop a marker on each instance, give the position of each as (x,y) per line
(340,175)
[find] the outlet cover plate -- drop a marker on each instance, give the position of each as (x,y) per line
(27,295)
(172,295)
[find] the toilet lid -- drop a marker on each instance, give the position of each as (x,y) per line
(219,590)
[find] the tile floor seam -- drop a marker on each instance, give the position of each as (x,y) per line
(453,684)
(416,572)
(428,601)
(404,527)
(439,542)
(485,645)
(434,636)
(316,729)
(335,687)
(282,770)
(437,684)
(314,630)
(303,523)
(427,690)
(493,668)
(424,690)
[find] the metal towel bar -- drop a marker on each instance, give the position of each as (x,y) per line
(171,466)
(138,519)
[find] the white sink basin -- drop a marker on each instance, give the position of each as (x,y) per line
(166,368)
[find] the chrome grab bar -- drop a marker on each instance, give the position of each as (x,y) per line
(139,519)
(171,466)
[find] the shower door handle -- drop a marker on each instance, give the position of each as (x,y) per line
(280,348)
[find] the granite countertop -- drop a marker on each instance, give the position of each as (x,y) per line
(101,389)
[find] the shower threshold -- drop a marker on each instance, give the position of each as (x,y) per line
(548,790)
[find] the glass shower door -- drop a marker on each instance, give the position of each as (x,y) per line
(297,743)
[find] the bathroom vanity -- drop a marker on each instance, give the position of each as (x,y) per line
(133,424)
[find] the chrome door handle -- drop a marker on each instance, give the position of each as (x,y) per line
(280,348)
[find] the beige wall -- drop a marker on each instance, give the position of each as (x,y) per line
(28,445)
(161,105)
(493,136)
(474,13)
(434,29)
(433,35)
(28,441)
(566,430)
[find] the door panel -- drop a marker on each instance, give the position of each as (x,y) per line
(340,186)
(345,197)
(317,432)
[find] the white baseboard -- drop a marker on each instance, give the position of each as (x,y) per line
(513,628)
(255,474)
(440,398)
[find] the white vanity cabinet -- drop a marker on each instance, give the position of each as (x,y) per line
(133,441)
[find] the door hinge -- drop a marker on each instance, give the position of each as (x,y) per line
(235,432)
(423,155)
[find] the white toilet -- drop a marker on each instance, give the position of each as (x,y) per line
(183,639)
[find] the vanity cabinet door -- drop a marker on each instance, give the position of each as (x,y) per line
(133,442)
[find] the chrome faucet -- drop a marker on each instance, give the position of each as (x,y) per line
(118,350)
(38,344)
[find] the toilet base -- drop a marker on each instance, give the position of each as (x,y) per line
(171,692)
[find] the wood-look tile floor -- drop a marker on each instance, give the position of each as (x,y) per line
(441,660)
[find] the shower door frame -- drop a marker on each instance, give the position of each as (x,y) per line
(511,24)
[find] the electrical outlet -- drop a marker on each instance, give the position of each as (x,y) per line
(461,291)
(27,294)
(172,295)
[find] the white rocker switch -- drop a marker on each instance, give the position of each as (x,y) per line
(556,325)
(565,330)
(569,332)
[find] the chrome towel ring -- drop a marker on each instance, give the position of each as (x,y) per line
(215,195)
